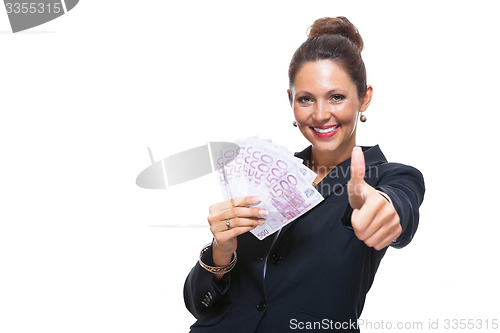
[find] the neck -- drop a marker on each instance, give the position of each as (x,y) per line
(323,162)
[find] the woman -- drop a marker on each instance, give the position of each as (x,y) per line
(315,272)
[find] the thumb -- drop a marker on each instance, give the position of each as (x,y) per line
(356,185)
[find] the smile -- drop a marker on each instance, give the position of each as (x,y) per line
(324,129)
(325,132)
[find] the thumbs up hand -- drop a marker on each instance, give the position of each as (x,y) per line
(374,218)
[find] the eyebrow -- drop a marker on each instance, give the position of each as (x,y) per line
(336,90)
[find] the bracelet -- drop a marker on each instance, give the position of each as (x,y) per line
(217,270)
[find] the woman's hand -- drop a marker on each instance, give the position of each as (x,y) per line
(241,219)
(374,219)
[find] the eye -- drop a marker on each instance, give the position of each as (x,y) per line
(304,99)
(337,98)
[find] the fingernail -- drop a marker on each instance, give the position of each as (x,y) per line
(262,212)
(357,148)
(255,199)
(261,221)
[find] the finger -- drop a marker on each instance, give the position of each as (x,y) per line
(360,224)
(388,229)
(241,212)
(236,212)
(357,166)
(222,237)
(235,202)
(383,237)
(386,242)
(357,194)
(378,236)
(362,219)
(357,187)
(237,223)
(374,213)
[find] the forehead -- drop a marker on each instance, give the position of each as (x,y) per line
(317,76)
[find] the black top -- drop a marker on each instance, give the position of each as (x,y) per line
(317,270)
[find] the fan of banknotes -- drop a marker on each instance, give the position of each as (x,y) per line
(270,171)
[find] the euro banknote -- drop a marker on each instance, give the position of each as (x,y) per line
(272,172)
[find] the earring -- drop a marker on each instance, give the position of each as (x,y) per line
(362,117)
(294,123)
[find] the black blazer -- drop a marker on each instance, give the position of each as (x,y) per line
(317,270)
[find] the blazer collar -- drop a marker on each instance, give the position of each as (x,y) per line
(338,177)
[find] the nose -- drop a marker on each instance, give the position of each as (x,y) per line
(322,111)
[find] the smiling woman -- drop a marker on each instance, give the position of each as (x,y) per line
(320,267)
(328,88)
(326,104)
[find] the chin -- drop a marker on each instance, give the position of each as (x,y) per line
(334,145)
(325,147)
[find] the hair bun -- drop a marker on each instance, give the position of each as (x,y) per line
(336,26)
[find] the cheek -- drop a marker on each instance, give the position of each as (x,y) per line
(302,119)
(347,114)
(300,115)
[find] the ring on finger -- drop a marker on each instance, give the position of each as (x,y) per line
(228,224)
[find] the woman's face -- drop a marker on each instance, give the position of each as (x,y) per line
(325,104)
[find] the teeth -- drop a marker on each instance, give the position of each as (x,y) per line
(326,130)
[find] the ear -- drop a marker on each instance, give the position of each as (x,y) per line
(290,97)
(367,98)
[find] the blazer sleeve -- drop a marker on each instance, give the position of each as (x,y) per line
(405,186)
(200,290)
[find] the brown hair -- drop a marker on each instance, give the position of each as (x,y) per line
(336,39)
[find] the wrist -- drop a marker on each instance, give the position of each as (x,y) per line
(384,195)
(221,258)
(217,269)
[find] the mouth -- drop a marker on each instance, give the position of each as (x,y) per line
(325,129)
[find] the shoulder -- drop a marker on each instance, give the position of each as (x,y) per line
(400,176)
(393,169)
(380,171)
(378,166)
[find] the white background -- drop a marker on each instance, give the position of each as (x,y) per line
(83,249)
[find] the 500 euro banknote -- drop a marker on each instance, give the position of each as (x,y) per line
(272,173)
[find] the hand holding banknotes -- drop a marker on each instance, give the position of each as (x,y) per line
(374,219)
(229,219)
(271,172)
